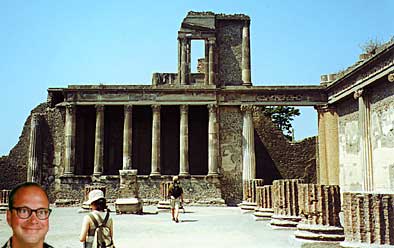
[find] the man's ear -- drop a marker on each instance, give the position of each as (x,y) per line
(9,217)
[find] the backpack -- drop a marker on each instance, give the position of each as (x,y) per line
(176,191)
(102,233)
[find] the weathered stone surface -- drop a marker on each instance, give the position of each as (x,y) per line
(285,204)
(319,208)
(368,219)
(264,202)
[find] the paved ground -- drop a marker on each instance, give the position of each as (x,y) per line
(199,227)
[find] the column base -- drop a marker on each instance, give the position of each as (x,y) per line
(246,84)
(319,233)
(284,221)
(184,174)
(67,174)
(213,174)
(155,174)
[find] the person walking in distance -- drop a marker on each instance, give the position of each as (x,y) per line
(28,216)
(175,192)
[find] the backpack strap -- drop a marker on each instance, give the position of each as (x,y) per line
(104,223)
(93,218)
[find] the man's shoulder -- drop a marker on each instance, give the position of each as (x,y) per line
(47,246)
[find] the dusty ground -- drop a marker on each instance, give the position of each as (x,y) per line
(199,227)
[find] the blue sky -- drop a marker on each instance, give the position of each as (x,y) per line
(56,43)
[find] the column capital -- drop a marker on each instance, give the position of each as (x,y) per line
(128,107)
(184,109)
(212,108)
(358,93)
(390,77)
(156,107)
(247,108)
(325,108)
(99,107)
(212,41)
(70,108)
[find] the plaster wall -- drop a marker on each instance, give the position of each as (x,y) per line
(382,132)
(351,170)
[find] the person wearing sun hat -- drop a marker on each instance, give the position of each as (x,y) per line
(98,205)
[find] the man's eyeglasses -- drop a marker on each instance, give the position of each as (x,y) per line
(25,212)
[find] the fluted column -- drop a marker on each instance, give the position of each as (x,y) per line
(184,142)
(320,206)
(248,152)
(285,203)
(365,138)
(206,63)
(69,153)
(183,61)
(155,170)
(328,168)
(212,141)
(246,77)
(127,137)
(35,155)
(368,219)
(99,142)
(211,63)
(264,202)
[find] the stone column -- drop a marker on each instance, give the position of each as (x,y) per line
(211,63)
(264,202)
(155,170)
(285,204)
(320,206)
(368,219)
(213,131)
(179,59)
(365,138)
(250,193)
(248,152)
(127,137)
(328,168)
(184,142)
(206,63)
(99,142)
(183,61)
(188,59)
(246,78)
(35,154)
(69,143)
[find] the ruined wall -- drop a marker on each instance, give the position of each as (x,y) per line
(229,46)
(291,160)
(13,168)
(231,153)
(382,135)
(351,172)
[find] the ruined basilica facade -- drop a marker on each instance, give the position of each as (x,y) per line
(208,128)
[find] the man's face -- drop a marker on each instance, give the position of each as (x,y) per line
(31,230)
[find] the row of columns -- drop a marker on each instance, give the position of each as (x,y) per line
(213,143)
(184,60)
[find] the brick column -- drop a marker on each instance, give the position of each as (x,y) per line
(319,208)
(264,202)
(213,131)
(211,62)
(328,167)
(364,120)
(250,194)
(155,170)
(248,152)
(285,204)
(206,63)
(369,219)
(35,154)
(184,142)
(246,77)
(69,143)
(183,61)
(127,137)
(99,142)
